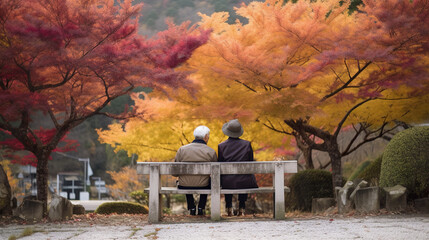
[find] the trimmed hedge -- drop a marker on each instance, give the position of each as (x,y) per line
(121,207)
(406,162)
(308,184)
(371,173)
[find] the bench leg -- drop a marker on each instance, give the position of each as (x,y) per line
(154,196)
(215,192)
(279,212)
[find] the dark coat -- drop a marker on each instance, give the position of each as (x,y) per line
(236,150)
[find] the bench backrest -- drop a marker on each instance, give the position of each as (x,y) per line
(177,168)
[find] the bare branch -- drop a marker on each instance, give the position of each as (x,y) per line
(271,126)
(345,85)
(348,69)
(66,79)
(38,141)
(357,133)
(326,165)
(381,132)
(54,119)
(184,136)
(301,128)
(247,86)
(4,124)
(340,124)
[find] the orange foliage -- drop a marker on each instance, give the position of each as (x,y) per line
(317,68)
(126,181)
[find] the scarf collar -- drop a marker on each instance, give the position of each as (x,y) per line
(199,141)
(233,138)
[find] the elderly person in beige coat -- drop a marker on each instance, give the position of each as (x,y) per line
(197,151)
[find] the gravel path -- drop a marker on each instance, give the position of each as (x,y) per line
(412,227)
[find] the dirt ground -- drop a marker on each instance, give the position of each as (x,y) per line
(91,219)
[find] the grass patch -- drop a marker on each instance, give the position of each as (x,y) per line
(152,235)
(27,232)
(134,230)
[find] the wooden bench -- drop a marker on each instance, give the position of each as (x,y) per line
(215,169)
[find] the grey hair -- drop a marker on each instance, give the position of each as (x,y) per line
(201,131)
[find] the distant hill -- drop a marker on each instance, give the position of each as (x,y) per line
(155,12)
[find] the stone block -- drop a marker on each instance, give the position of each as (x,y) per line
(422,205)
(60,208)
(359,185)
(396,198)
(78,209)
(320,205)
(367,200)
(344,202)
(30,210)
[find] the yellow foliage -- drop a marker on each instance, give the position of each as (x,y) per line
(126,181)
(13,182)
(164,126)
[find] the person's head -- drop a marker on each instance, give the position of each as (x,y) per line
(202,133)
(233,128)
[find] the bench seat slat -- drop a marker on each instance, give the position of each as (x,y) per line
(174,190)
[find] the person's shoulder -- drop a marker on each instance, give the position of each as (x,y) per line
(208,148)
(244,142)
(185,146)
(224,143)
(241,141)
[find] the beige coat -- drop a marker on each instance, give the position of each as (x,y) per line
(195,152)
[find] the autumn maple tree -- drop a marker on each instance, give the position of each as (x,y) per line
(69,59)
(310,68)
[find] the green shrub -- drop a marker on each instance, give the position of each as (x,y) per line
(121,207)
(406,162)
(371,173)
(359,170)
(309,184)
(140,197)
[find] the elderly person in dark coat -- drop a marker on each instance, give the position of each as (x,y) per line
(235,149)
(197,151)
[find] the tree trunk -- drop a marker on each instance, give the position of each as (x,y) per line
(306,151)
(42,179)
(337,173)
(303,133)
